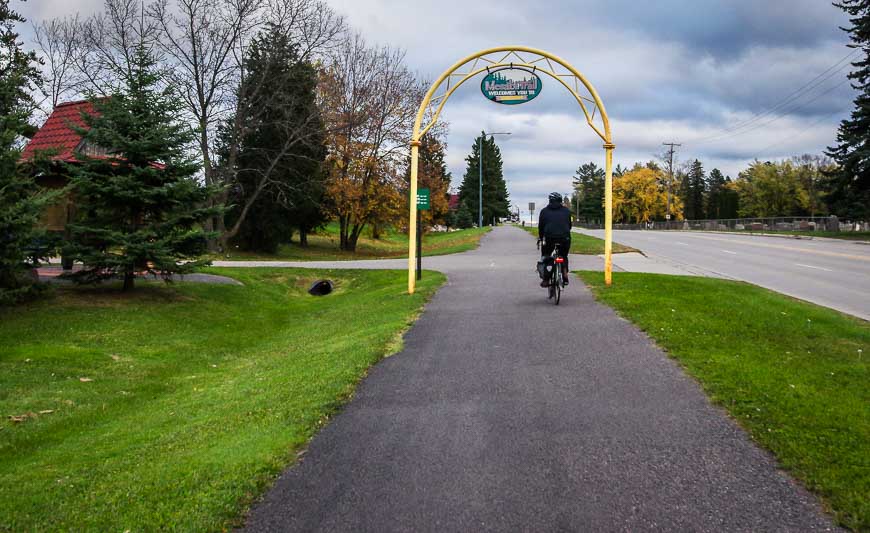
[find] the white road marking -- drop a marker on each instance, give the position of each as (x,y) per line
(747,242)
(815,267)
(729,252)
(682,243)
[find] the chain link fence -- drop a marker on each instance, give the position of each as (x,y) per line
(807,225)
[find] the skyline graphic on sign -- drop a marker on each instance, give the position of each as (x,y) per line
(511,86)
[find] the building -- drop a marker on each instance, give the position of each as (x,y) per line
(58,140)
(453,202)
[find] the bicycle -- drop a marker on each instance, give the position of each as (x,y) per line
(556,276)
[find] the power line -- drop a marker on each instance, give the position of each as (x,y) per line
(779,116)
(812,84)
(800,133)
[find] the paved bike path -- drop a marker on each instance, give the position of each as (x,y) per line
(492,420)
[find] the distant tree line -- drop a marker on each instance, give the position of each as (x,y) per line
(801,186)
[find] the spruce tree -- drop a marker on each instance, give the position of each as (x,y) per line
(495,196)
(694,189)
(464,218)
(589,184)
(716,195)
(432,174)
(285,143)
(849,192)
(141,206)
(619,171)
(21,203)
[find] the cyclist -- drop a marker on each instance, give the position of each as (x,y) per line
(554,227)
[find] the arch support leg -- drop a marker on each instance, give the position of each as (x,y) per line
(412,226)
(608,214)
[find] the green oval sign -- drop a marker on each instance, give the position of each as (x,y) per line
(511,86)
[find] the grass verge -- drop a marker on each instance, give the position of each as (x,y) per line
(175,407)
(793,374)
(585,244)
(324,246)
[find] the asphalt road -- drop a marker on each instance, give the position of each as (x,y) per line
(506,413)
(827,272)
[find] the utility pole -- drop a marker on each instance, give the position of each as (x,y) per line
(670,175)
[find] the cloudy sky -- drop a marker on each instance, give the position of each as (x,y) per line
(732,80)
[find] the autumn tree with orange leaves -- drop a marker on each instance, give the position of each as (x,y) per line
(369,99)
(638,196)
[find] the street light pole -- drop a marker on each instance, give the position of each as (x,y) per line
(480,176)
(480,182)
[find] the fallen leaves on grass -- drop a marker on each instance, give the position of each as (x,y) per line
(17,419)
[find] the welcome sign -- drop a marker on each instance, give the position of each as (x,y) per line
(511,86)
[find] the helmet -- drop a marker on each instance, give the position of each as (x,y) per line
(555,197)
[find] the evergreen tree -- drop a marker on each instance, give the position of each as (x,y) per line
(141,206)
(716,195)
(619,171)
(730,203)
(432,174)
(694,188)
(20,201)
(589,187)
(464,218)
(495,196)
(679,187)
(722,198)
(281,104)
(849,193)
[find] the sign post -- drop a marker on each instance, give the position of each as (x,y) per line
(531,213)
(422,205)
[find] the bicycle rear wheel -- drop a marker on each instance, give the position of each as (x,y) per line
(558,287)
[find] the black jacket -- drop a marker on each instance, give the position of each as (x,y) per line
(555,222)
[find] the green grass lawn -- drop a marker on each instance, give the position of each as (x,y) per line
(324,246)
(586,245)
(795,375)
(174,407)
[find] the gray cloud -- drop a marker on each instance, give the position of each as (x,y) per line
(682,70)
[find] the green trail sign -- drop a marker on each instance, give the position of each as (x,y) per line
(423,199)
(511,86)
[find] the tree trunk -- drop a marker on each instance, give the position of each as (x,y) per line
(342,232)
(376,231)
(303,236)
(353,238)
(211,223)
(129,278)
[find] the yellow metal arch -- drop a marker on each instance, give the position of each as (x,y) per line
(531,59)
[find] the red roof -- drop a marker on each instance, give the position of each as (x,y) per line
(57,135)
(453,201)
